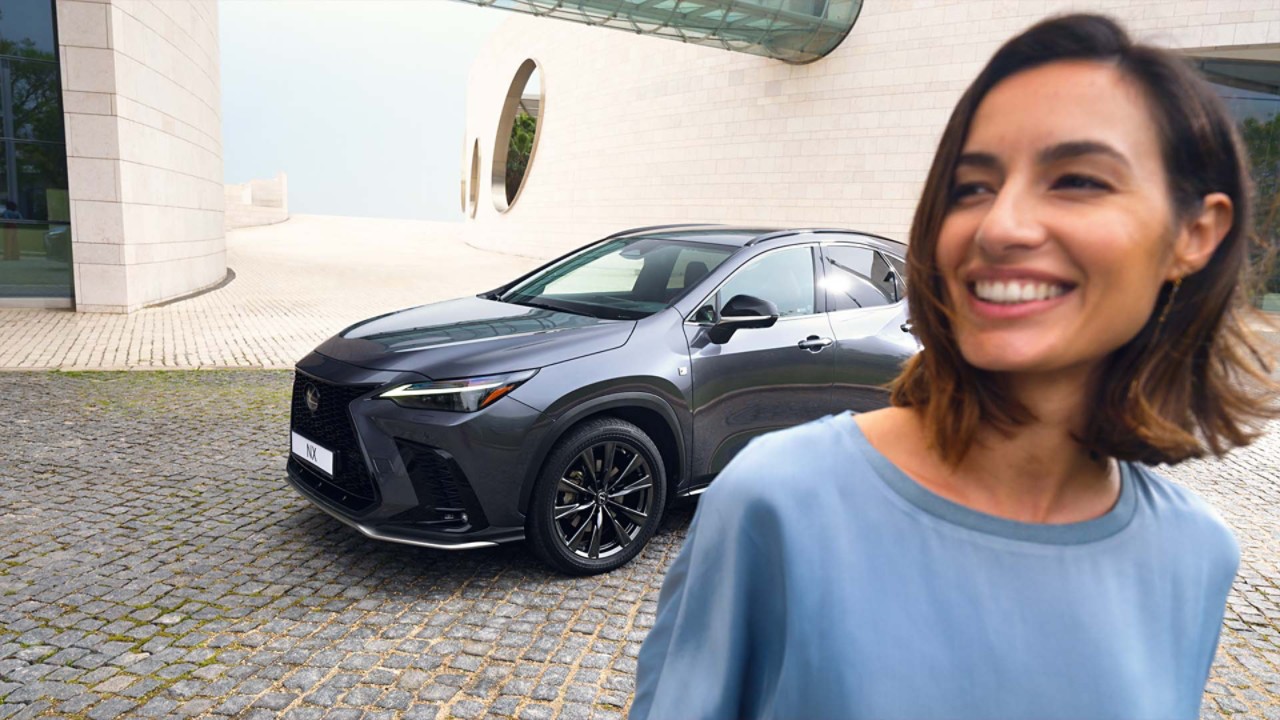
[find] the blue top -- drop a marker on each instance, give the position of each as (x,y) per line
(819,581)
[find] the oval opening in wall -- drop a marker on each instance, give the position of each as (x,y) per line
(475,178)
(516,142)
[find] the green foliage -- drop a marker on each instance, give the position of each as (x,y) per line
(1262,141)
(519,149)
(37,111)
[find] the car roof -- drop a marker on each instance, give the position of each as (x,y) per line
(743,236)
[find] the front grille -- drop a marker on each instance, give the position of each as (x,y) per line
(445,498)
(330,426)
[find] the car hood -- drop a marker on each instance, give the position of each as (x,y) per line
(473,336)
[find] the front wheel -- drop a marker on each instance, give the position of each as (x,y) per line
(599,498)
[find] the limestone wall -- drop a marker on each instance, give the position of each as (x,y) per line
(142,98)
(650,131)
(257,202)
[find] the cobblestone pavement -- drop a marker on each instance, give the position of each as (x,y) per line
(154,564)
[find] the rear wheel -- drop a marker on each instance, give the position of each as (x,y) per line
(599,498)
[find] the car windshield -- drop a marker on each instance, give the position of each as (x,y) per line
(623,279)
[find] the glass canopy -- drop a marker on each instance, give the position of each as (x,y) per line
(795,31)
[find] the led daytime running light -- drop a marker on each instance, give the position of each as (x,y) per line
(417,389)
(462,395)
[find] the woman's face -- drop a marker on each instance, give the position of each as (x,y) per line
(1060,229)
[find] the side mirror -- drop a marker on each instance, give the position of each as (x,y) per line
(741,312)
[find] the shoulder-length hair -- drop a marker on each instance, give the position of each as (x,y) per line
(1194,376)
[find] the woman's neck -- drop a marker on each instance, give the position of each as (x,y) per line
(1036,472)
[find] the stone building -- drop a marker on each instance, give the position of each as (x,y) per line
(110,152)
(636,131)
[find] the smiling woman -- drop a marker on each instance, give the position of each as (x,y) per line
(1091,176)
(1075,278)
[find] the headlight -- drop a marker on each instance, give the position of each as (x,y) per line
(465,395)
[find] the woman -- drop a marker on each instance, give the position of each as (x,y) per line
(990,546)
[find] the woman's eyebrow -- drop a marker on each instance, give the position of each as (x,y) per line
(1078,148)
(980,160)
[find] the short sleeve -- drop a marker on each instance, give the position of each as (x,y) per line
(715,648)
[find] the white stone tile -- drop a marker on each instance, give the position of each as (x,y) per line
(92,136)
(98,222)
(87,253)
(89,70)
(82,23)
(102,285)
(87,103)
(1253,33)
(1218,35)
(93,179)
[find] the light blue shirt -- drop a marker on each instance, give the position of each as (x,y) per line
(819,581)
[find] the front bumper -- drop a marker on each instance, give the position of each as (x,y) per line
(426,478)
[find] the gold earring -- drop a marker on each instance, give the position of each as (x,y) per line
(1168,303)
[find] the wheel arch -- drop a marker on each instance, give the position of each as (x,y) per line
(648,412)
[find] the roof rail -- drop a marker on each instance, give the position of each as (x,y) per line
(774,236)
(817,231)
(650,228)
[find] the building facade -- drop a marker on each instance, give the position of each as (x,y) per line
(649,131)
(112,152)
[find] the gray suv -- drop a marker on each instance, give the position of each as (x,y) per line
(571,406)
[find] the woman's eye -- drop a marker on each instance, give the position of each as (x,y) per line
(963,191)
(1080,182)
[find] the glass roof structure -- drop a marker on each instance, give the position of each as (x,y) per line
(794,31)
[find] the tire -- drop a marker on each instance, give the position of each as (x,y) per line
(608,507)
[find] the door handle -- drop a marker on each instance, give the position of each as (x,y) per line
(814,344)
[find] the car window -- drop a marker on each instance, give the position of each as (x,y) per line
(783,277)
(627,278)
(857,277)
(610,273)
(693,264)
(899,274)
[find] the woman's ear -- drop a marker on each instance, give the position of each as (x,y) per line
(1201,236)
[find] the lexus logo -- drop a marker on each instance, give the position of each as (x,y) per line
(313,398)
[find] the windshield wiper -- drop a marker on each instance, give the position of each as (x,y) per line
(543,305)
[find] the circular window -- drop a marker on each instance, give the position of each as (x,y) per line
(517,139)
(462,178)
(475,178)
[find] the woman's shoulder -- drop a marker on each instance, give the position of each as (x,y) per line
(1182,516)
(786,463)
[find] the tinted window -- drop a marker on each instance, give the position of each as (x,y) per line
(857,277)
(26,28)
(783,277)
(34,99)
(693,264)
(627,278)
(899,274)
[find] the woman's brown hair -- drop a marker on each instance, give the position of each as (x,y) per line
(1194,377)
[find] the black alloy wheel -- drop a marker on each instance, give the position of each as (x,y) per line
(599,499)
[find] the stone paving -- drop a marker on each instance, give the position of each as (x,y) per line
(155,564)
(296,284)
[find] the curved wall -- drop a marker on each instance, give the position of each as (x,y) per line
(641,132)
(142,97)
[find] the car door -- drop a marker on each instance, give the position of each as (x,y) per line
(868,314)
(762,379)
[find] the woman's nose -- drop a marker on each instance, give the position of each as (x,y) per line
(1012,223)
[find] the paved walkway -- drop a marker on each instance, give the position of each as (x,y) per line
(156,565)
(296,284)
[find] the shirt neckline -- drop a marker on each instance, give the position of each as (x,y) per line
(1078,533)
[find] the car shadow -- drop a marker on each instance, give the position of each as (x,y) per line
(397,570)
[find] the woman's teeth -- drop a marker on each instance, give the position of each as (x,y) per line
(1016,291)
